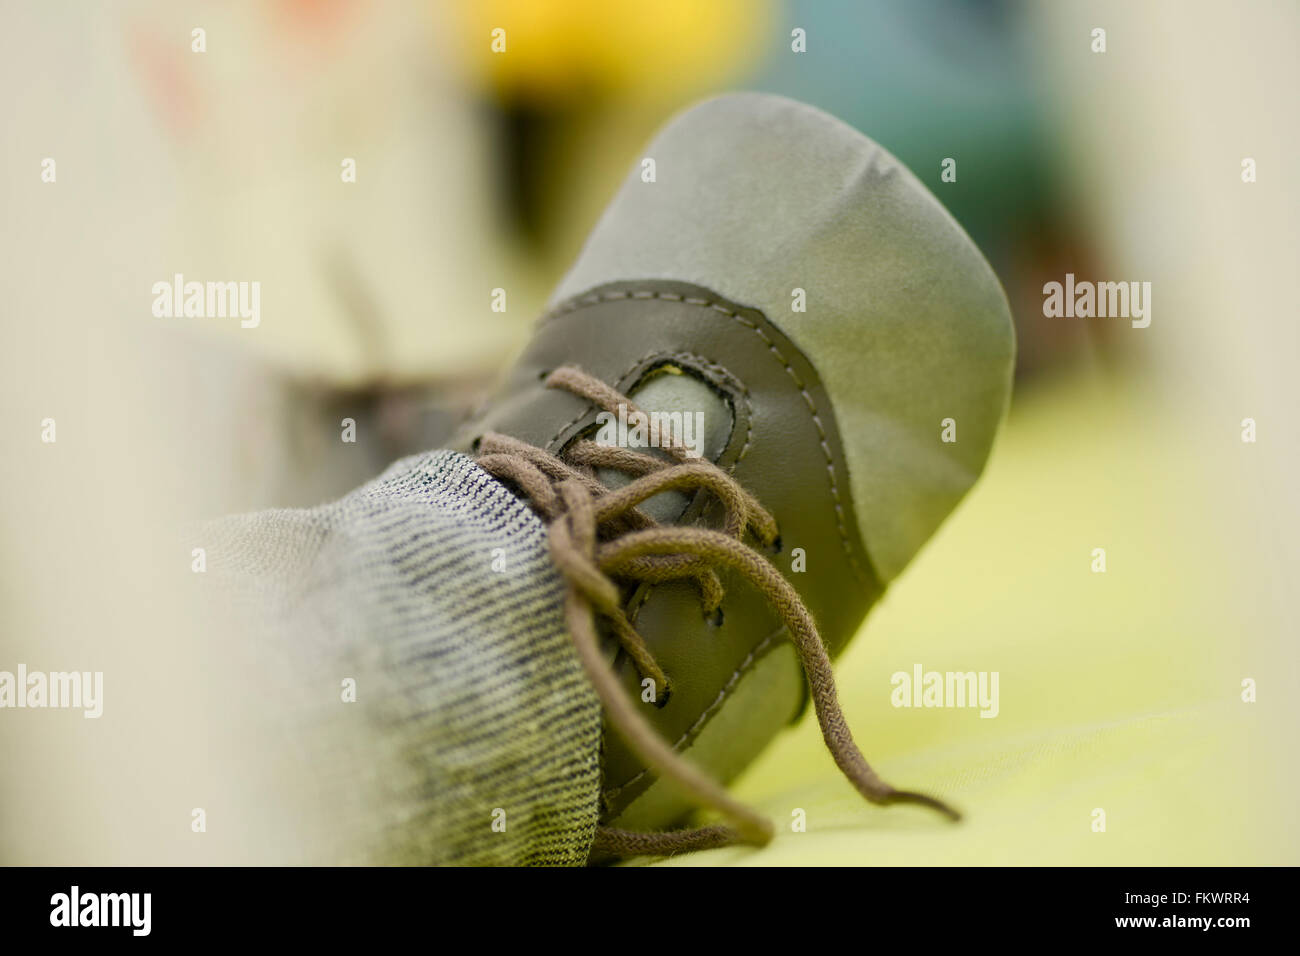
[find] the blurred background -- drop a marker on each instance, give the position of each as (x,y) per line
(479,170)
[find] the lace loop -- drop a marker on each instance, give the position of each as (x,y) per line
(598,535)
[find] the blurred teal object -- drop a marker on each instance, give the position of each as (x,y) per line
(928,79)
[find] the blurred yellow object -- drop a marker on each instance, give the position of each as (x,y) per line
(1120,691)
(559,49)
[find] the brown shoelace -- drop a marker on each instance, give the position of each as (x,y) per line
(599,536)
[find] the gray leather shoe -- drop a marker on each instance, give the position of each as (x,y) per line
(786,279)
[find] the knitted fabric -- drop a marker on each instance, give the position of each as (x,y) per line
(431,586)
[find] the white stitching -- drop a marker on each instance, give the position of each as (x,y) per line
(812,406)
(750,660)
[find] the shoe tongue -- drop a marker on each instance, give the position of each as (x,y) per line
(703,417)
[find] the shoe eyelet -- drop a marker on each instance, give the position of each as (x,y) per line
(776,545)
(716,618)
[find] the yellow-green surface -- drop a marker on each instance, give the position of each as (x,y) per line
(1119,691)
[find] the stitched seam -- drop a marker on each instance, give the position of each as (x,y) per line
(586,409)
(725,373)
(750,660)
(716,367)
(634,608)
(711,365)
(595,298)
